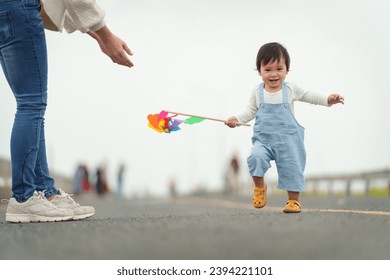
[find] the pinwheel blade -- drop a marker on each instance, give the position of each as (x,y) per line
(193,120)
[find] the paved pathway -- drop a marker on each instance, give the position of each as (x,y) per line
(208,228)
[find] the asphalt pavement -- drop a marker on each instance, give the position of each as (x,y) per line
(207,227)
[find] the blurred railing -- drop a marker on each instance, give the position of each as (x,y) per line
(6,179)
(348,182)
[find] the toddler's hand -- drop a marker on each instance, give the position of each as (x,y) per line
(231,122)
(335,98)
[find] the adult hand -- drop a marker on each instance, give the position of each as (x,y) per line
(113,46)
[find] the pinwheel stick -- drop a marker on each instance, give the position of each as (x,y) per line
(207,118)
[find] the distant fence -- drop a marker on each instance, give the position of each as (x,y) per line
(63,182)
(366,180)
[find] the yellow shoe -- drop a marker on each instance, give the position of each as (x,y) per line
(292,206)
(259,198)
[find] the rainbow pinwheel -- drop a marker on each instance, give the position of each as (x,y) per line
(162,122)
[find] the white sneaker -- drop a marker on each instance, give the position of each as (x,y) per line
(64,201)
(36,209)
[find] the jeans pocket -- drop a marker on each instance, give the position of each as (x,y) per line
(6,28)
(31,4)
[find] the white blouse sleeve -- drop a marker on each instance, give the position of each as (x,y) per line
(83,15)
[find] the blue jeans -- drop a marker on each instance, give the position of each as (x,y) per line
(23,57)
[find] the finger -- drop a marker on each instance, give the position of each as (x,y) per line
(127,49)
(122,59)
(127,61)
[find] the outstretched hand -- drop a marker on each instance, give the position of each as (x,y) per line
(113,46)
(335,98)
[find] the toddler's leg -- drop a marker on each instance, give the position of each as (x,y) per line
(259,182)
(259,198)
(258,163)
(293,205)
(293,195)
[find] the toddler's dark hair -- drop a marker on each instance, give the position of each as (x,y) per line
(272,52)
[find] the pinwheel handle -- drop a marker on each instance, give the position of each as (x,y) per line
(203,117)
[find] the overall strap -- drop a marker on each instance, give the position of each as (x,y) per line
(284,93)
(261,93)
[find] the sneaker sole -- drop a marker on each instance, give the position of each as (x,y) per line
(13,218)
(81,217)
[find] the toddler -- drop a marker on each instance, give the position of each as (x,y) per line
(276,133)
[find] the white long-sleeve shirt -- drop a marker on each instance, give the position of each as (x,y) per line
(72,15)
(295,93)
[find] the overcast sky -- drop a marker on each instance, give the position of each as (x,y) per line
(199,57)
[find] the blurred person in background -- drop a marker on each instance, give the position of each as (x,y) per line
(121,179)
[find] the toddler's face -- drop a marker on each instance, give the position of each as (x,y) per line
(273,74)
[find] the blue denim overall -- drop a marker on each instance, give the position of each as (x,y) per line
(278,136)
(23,58)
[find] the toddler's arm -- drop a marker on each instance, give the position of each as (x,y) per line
(335,98)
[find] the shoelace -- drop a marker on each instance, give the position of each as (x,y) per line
(68,197)
(41,195)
